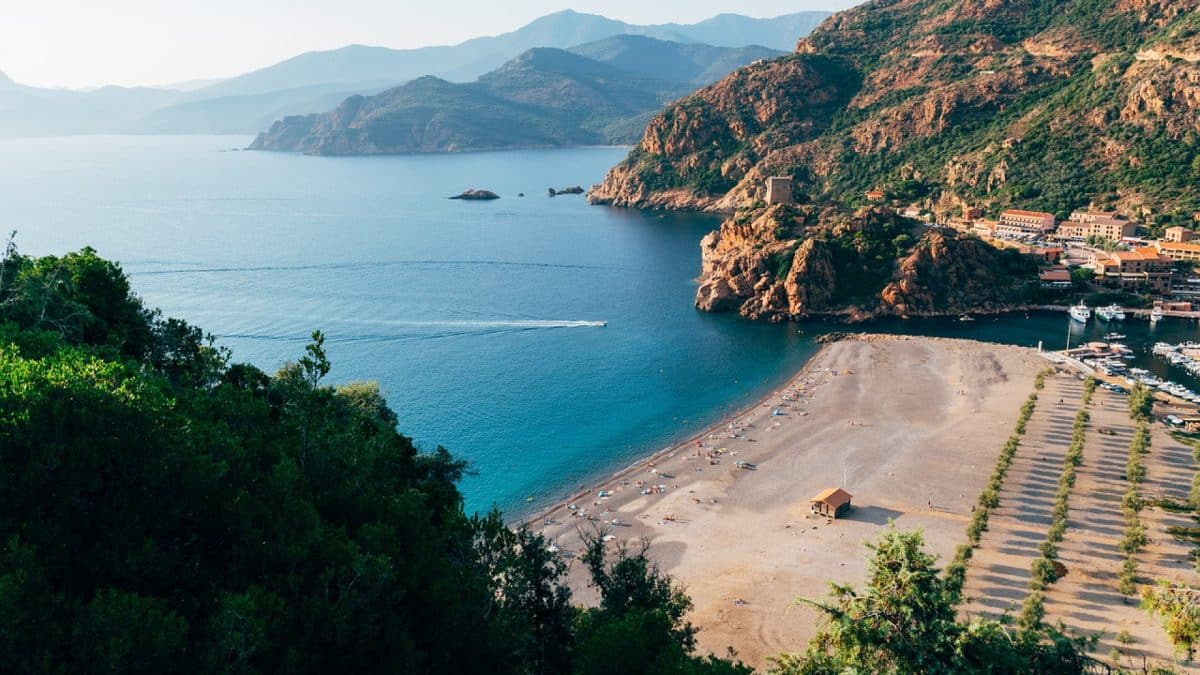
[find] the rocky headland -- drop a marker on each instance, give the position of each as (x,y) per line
(1047,106)
(792,262)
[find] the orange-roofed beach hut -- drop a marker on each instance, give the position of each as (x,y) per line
(831,502)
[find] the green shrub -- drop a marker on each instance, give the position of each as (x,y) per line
(1048,549)
(1042,574)
(1033,611)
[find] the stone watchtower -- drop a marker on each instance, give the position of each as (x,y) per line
(779,190)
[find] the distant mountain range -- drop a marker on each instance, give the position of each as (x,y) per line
(320,80)
(545,97)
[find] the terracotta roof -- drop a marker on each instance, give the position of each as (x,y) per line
(834,497)
(1019,212)
(1056,275)
(1178,246)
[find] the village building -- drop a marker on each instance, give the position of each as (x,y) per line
(1084,224)
(779,190)
(1178,251)
(875,195)
(830,502)
(1058,278)
(1049,255)
(1142,267)
(1016,224)
(1178,234)
(972,212)
(984,228)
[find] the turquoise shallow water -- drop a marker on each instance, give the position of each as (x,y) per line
(476,318)
(468,314)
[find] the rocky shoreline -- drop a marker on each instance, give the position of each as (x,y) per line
(783,263)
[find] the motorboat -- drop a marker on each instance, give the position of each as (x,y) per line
(1080,312)
(1110,313)
(1156,315)
(1113,336)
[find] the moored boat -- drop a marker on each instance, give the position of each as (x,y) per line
(1080,312)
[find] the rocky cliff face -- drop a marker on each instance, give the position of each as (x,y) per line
(1050,105)
(788,262)
(1044,104)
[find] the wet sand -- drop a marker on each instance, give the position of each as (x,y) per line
(910,426)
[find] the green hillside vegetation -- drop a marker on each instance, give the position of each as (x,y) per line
(1039,104)
(165,509)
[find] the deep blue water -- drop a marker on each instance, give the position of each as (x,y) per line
(473,317)
(462,311)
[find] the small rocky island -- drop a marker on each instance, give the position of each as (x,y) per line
(477,195)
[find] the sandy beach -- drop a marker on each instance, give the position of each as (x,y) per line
(910,426)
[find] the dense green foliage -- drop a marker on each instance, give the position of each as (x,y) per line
(165,510)
(905,621)
(1178,607)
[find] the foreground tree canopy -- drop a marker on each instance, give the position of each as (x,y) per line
(163,509)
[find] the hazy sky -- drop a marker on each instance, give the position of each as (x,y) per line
(80,43)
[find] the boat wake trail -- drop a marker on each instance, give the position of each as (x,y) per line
(339,266)
(426,330)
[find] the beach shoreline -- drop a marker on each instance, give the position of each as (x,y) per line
(909,425)
(539,514)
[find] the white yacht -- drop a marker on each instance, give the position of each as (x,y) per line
(1156,315)
(1080,312)
(1110,313)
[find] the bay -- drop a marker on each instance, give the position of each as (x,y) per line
(476,318)
(480,320)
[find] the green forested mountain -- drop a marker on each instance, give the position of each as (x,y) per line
(1034,104)
(543,98)
(1044,104)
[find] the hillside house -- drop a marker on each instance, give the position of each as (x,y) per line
(1142,267)
(1179,251)
(1178,235)
(1057,278)
(1017,224)
(1084,224)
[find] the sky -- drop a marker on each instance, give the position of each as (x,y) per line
(85,43)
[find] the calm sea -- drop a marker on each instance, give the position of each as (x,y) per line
(480,320)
